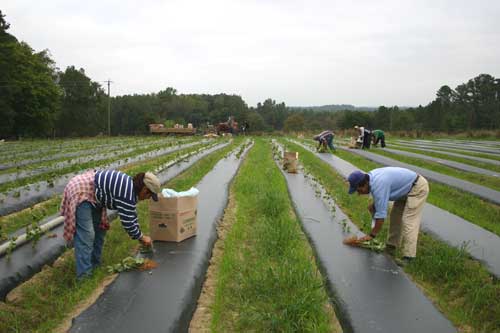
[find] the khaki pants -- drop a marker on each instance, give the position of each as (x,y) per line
(406,215)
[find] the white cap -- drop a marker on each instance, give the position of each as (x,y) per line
(152,183)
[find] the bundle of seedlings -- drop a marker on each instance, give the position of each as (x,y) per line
(130,263)
(373,244)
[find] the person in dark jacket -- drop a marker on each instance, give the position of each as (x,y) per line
(325,139)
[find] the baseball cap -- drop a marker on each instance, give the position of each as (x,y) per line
(153,184)
(354,179)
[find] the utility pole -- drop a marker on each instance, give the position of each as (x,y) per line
(109,108)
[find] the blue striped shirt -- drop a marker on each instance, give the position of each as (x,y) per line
(389,184)
(115,190)
(323,135)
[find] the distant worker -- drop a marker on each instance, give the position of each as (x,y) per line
(325,139)
(409,192)
(84,204)
(378,136)
(245,127)
(364,138)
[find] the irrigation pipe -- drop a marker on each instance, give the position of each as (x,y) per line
(23,239)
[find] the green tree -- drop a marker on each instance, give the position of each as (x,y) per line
(83,104)
(29,95)
(294,122)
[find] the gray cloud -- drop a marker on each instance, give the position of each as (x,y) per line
(301,52)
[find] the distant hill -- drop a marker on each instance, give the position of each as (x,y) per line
(335,107)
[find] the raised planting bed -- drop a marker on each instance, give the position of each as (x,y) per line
(371,293)
(170,292)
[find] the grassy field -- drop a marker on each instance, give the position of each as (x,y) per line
(48,298)
(267,280)
(462,289)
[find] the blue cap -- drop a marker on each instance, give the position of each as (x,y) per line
(354,179)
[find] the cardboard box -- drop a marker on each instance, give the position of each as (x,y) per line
(290,161)
(173,219)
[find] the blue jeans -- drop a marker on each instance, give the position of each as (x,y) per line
(329,141)
(89,238)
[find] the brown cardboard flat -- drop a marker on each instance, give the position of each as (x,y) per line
(290,161)
(173,219)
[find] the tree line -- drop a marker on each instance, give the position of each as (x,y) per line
(37,99)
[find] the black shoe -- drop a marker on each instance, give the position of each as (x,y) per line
(405,261)
(390,250)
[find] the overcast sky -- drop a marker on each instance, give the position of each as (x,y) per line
(366,53)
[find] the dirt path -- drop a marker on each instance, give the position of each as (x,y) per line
(203,314)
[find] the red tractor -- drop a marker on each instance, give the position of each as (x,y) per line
(230,126)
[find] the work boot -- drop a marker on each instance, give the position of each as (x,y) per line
(403,262)
(390,250)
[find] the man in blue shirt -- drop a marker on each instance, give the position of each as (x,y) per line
(408,191)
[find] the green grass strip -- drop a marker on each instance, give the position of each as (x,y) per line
(461,287)
(267,281)
(484,180)
(52,295)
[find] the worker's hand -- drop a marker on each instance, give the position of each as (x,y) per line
(371,208)
(365,238)
(146,240)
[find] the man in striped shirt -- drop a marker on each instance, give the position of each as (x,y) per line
(84,204)
(325,138)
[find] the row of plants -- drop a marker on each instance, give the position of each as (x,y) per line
(18,220)
(460,286)
(444,156)
(480,179)
(451,150)
(466,205)
(43,148)
(267,279)
(51,175)
(54,165)
(53,294)
(64,156)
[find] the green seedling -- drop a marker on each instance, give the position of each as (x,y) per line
(33,233)
(11,247)
(126,264)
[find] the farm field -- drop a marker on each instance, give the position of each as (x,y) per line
(268,255)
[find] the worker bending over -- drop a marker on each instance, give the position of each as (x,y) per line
(364,137)
(84,204)
(409,192)
(325,139)
(378,136)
